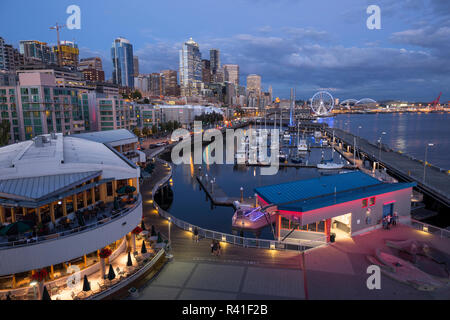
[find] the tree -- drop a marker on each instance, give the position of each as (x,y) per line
(136,95)
(154,129)
(146,131)
(5,127)
(146,101)
(137,131)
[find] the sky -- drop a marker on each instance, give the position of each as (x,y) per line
(309,45)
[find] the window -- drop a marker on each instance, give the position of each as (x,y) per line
(365,203)
(372,201)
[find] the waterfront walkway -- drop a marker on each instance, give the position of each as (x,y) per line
(337,271)
(437,183)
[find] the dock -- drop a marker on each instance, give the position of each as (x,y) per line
(436,185)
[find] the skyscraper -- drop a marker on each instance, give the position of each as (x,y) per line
(122,58)
(190,68)
(171,87)
(10,57)
(91,63)
(214,57)
(231,73)
(206,71)
(254,84)
(136,66)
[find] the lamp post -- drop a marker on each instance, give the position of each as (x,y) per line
(170,222)
(379,154)
(242,194)
(425,160)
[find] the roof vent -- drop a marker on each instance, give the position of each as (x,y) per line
(38,141)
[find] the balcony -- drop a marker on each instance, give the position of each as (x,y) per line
(71,237)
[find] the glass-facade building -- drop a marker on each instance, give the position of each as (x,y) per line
(190,68)
(123,64)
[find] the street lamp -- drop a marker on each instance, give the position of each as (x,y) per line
(425,161)
(170,222)
(379,155)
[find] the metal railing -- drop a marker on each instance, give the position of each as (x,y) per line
(292,244)
(68,233)
(442,233)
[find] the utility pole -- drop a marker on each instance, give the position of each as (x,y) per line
(58,27)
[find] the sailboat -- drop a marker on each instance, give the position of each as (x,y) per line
(330,164)
(302,146)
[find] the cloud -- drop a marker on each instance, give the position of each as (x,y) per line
(428,37)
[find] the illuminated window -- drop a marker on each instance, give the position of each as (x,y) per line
(372,201)
(365,203)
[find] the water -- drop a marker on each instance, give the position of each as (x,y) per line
(191,205)
(405,132)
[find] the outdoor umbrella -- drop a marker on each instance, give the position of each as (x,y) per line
(16,228)
(86,284)
(45,295)
(143,225)
(129,262)
(126,189)
(111,273)
(116,204)
(143,248)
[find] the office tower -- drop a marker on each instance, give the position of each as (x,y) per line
(190,68)
(69,54)
(214,57)
(171,87)
(91,63)
(136,66)
(219,76)
(142,83)
(122,58)
(270,94)
(156,85)
(231,73)
(37,52)
(206,71)
(10,58)
(254,83)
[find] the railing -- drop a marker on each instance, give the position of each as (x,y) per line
(443,233)
(68,233)
(296,245)
(121,284)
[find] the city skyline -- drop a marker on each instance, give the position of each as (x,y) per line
(404,60)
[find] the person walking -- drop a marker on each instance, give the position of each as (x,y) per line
(219,249)
(212,247)
(216,248)
(388,220)
(196,234)
(395,218)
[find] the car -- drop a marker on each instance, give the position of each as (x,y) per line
(153,146)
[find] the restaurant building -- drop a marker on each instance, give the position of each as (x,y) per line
(345,204)
(62,200)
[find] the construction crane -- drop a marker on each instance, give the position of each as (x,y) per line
(58,27)
(434,103)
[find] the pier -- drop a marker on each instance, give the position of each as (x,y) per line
(436,185)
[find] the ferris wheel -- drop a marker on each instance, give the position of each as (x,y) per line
(322,103)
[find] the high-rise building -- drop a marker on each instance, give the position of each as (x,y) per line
(142,83)
(94,75)
(190,68)
(254,83)
(231,73)
(91,63)
(214,57)
(206,71)
(69,54)
(37,52)
(171,87)
(10,57)
(122,58)
(136,66)
(156,84)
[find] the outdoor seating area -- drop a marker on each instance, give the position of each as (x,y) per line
(28,231)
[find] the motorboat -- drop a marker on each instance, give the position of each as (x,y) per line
(330,165)
(286,135)
(282,156)
(296,160)
(302,145)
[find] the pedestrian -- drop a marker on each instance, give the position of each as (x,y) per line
(215,248)
(388,220)
(219,249)
(212,247)
(383,221)
(394,220)
(196,234)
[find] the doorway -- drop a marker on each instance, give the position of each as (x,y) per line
(342,226)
